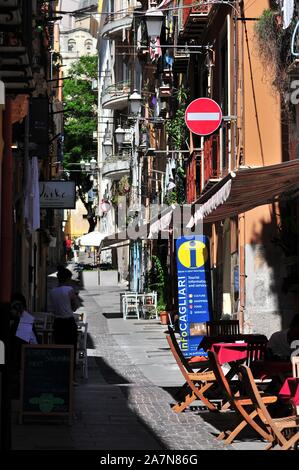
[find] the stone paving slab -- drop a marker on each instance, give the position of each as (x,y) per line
(125,404)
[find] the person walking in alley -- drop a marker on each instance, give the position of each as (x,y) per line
(64,302)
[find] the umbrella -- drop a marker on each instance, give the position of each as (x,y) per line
(91,239)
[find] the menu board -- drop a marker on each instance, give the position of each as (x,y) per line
(46,380)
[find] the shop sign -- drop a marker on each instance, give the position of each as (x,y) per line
(194,291)
(57,194)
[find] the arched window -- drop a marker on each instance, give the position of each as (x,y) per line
(71,45)
(88,46)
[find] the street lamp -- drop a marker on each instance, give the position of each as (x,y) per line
(119,135)
(135,102)
(107,145)
(93,163)
(82,164)
(154,20)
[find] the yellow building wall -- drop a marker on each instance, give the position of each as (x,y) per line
(76,225)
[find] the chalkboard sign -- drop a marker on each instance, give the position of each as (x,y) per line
(46,380)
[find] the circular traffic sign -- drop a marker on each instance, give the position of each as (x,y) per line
(203,116)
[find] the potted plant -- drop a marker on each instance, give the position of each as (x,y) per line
(164,319)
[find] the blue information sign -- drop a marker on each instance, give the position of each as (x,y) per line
(194,294)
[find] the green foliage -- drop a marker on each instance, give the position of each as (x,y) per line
(80,122)
(124,185)
(157,282)
(171,197)
(176,127)
(120,189)
(80,110)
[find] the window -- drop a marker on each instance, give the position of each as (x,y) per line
(88,46)
(71,45)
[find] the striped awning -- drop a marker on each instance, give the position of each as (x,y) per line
(245,189)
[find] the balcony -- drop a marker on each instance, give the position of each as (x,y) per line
(216,150)
(116,96)
(115,23)
(194,19)
(211,162)
(116,166)
(181,58)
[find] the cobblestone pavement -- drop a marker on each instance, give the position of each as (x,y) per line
(150,403)
(125,403)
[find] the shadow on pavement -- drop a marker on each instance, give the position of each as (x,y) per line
(110,315)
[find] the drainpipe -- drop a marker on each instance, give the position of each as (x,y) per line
(228,27)
(242,275)
(6,267)
(240,127)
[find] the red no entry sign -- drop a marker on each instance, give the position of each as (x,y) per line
(203,116)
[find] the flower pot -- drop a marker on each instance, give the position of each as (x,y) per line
(164,319)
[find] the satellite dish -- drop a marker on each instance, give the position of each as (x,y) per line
(288,11)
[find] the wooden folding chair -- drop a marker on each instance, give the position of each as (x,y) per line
(256,350)
(238,404)
(196,383)
(222,327)
(276,426)
(295,366)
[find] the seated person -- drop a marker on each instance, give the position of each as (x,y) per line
(279,346)
(22,329)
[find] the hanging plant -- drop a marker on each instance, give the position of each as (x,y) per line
(171,197)
(157,282)
(124,185)
(274,47)
(176,127)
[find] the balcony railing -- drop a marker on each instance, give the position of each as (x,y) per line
(193,20)
(115,23)
(216,150)
(116,166)
(116,96)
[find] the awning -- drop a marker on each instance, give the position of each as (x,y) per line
(246,189)
(147,231)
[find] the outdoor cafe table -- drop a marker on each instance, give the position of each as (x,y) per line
(290,392)
(230,352)
(208,341)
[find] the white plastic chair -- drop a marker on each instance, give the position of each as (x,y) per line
(82,359)
(130,306)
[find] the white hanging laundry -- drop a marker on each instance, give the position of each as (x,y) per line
(288,12)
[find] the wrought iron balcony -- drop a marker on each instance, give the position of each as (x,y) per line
(116,166)
(194,19)
(116,96)
(115,23)
(215,157)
